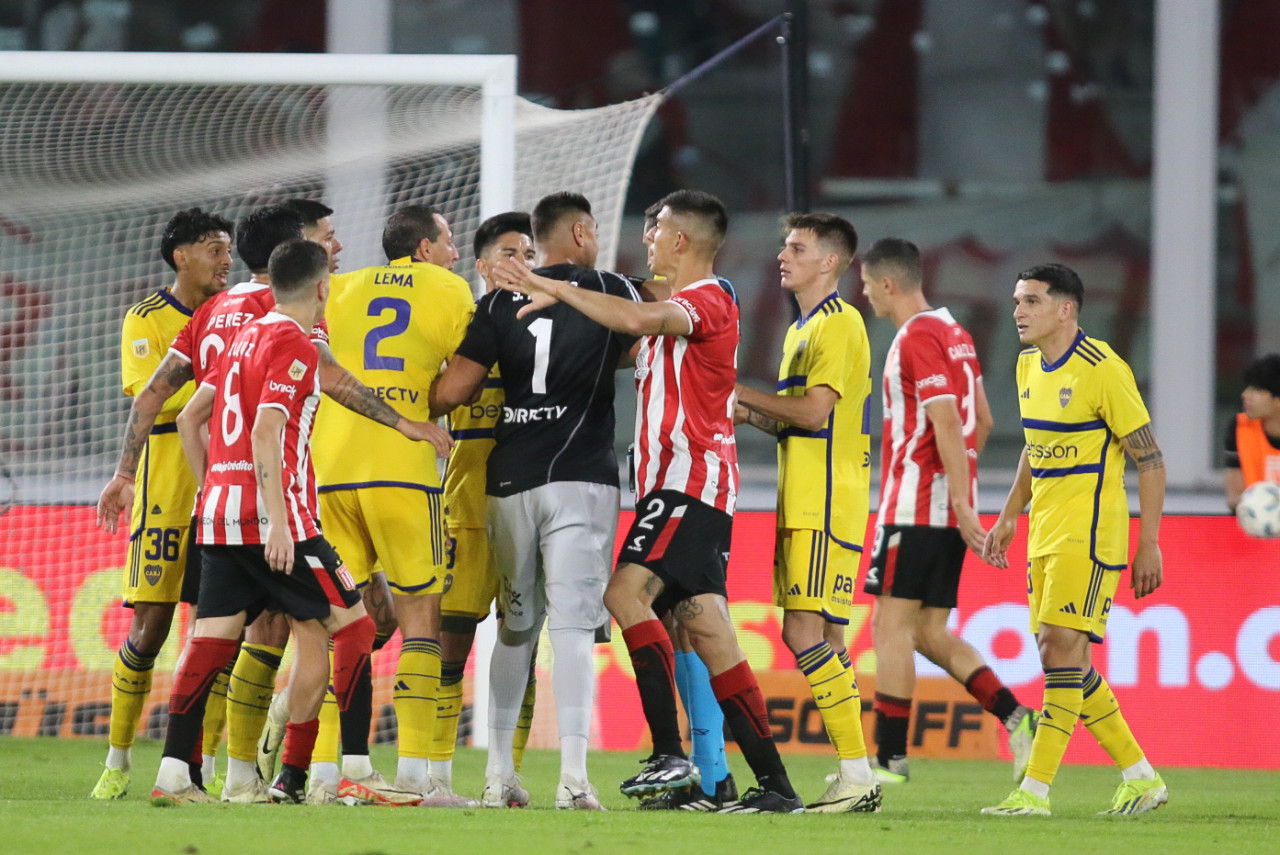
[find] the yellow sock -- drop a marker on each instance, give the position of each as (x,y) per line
(444,733)
(1100,712)
(329,736)
(253,681)
(130,686)
(835,691)
(215,712)
(1062,700)
(525,722)
(417,684)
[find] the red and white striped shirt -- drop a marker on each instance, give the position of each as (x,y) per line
(931,357)
(215,323)
(684,413)
(271,363)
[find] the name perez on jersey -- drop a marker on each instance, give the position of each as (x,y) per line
(525,415)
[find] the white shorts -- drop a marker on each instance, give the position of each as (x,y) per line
(553,546)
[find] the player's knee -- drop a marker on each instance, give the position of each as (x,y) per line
(150,628)
(799,637)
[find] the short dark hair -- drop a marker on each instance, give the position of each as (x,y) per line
(553,208)
(1062,281)
(835,232)
(900,253)
(294,265)
(651,214)
(407,227)
(262,231)
(497,226)
(308,210)
(1264,373)
(704,207)
(189,226)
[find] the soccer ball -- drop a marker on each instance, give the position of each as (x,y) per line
(1259,510)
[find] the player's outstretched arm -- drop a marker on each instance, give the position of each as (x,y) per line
(949,436)
(191,424)
(268,466)
(619,315)
(809,411)
(342,386)
(995,549)
(170,376)
(460,382)
(1148,565)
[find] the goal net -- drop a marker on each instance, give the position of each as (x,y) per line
(97,151)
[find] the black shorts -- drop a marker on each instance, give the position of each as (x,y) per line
(916,562)
(191,575)
(238,579)
(683,542)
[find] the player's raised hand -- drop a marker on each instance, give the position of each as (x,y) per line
(115,497)
(514,275)
(278,548)
(1147,572)
(427,432)
(995,547)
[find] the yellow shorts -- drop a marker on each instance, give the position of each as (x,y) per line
(1071,591)
(157,560)
(400,529)
(814,573)
(475,576)
(164,495)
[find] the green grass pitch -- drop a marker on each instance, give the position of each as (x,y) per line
(44,808)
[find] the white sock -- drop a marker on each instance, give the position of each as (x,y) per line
(1036,788)
(174,775)
(508,675)
(857,770)
(325,773)
(207,767)
(240,773)
(441,772)
(1142,770)
(119,758)
(573,680)
(412,769)
(356,766)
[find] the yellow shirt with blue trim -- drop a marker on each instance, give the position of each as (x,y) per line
(165,488)
(471,427)
(824,476)
(392,327)
(1073,413)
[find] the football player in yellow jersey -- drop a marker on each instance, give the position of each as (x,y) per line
(380,494)
(819,415)
(197,247)
(1081,414)
(470,561)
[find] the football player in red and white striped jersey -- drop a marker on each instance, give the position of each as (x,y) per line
(257,524)
(676,554)
(936,420)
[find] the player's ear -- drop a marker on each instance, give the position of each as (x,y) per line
(424,250)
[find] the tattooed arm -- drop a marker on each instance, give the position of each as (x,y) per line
(342,386)
(172,374)
(1148,571)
